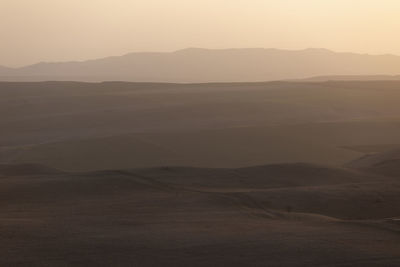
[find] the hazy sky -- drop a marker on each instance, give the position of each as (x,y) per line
(59,30)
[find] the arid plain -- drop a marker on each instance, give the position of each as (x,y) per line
(298,173)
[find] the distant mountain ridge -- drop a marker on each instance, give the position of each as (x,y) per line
(352,78)
(196,65)
(6,70)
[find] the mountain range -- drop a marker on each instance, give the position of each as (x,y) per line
(196,65)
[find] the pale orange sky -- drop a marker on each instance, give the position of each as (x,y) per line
(60,30)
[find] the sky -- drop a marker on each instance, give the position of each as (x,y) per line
(63,30)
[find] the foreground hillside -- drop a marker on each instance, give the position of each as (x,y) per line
(275,215)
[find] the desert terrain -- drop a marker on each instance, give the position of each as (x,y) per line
(113,125)
(300,173)
(273,215)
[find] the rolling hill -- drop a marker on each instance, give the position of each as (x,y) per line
(114,125)
(383,163)
(273,215)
